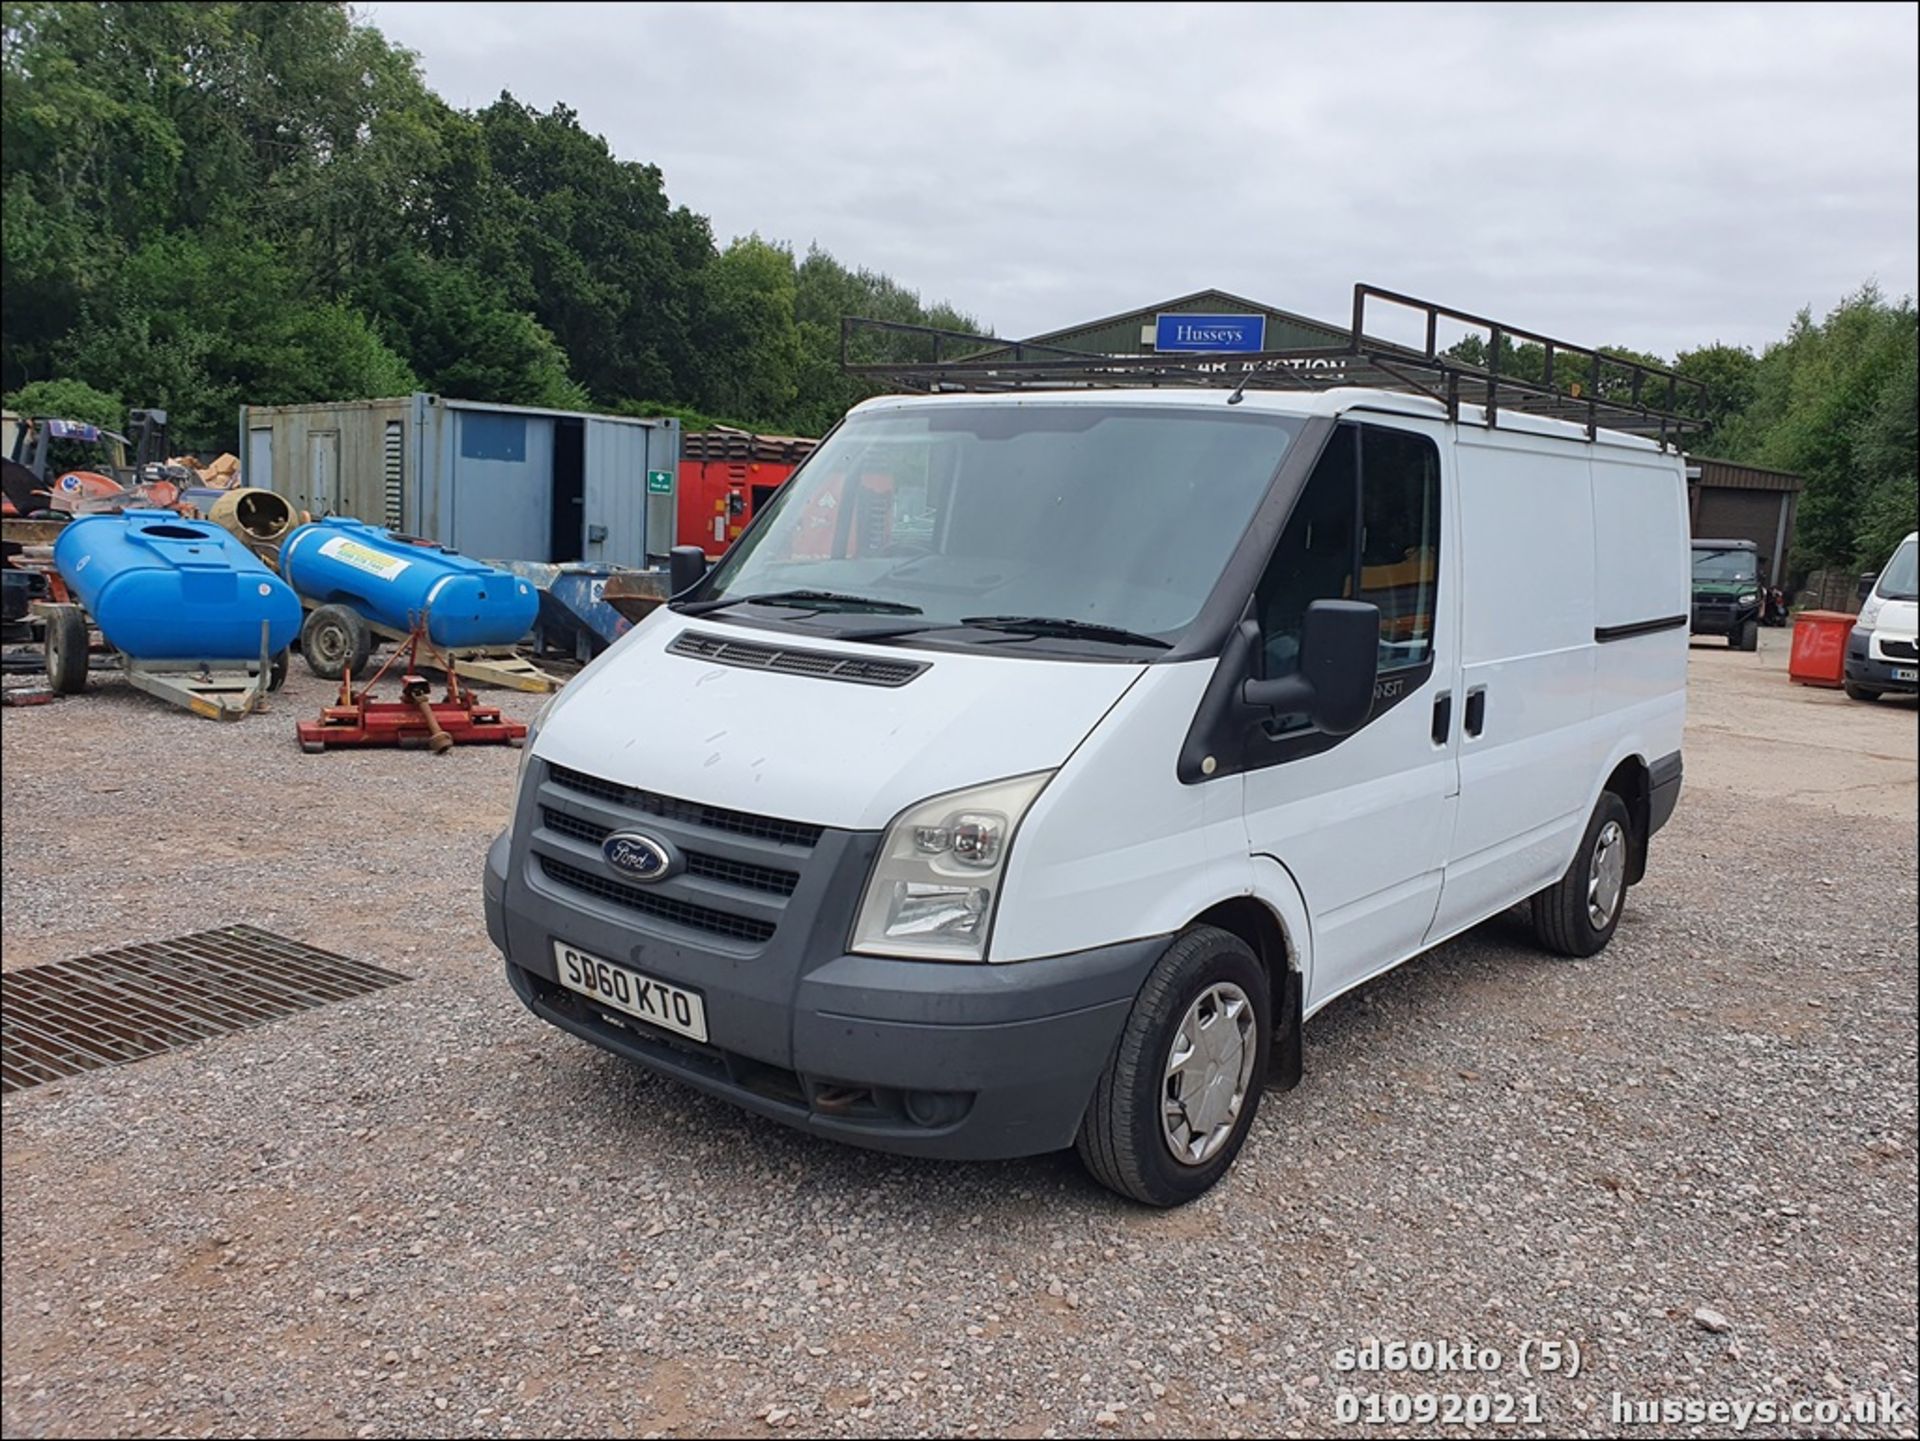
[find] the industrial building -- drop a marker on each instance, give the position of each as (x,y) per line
(499,482)
(1730,501)
(1207,320)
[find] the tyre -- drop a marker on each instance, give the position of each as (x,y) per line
(335,641)
(1577,914)
(67,649)
(1183,1083)
(277,670)
(1748,636)
(1860,692)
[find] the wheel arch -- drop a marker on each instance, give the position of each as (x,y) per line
(1631,780)
(1264,926)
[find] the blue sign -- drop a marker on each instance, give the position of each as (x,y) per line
(1210,332)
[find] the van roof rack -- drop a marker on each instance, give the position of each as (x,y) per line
(1556,378)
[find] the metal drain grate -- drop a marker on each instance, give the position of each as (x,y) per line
(70,1016)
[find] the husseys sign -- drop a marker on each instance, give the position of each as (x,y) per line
(1210,332)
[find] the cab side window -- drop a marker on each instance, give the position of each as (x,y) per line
(1400,540)
(1367,527)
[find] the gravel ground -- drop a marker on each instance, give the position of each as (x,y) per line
(426,1213)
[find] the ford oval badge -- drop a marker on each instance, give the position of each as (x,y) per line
(639,857)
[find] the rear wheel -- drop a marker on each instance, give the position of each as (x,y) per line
(1183,1083)
(1577,914)
(1749,636)
(67,649)
(1860,692)
(335,641)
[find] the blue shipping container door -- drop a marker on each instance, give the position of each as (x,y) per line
(501,474)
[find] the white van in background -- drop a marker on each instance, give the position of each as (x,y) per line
(1038,762)
(1882,657)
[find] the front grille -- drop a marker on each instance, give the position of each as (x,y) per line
(717,818)
(1899,649)
(740,871)
(661,907)
(710,867)
(826,665)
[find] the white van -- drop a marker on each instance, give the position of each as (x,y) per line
(1038,762)
(1882,657)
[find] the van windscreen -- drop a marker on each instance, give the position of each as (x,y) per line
(1901,579)
(1112,516)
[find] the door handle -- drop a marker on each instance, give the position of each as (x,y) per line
(1442,717)
(1476,710)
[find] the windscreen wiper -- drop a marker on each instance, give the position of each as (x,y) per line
(1062,626)
(806,599)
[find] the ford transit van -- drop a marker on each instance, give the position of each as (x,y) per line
(1038,763)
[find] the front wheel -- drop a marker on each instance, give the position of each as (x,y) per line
(1749,636)
(1860,692)
(1577,914)
(1180,1090)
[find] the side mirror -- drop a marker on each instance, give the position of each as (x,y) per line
(1339,660)
(1866,584)
(686,567)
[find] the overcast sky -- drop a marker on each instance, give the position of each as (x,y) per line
(1655,176)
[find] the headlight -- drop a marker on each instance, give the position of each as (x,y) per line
(1870,611)
(1750,597)
(933,890)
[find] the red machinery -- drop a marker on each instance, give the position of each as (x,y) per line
(726,475)
(416,719)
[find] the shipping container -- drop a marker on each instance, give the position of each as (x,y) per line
(500,482)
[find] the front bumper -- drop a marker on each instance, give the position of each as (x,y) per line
(1864,668)
(1720,617)
(926,1058)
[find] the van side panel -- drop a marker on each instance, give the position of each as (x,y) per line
(1527,585)
(1642,563)
(1115,846)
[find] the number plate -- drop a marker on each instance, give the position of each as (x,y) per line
(658,1003)
(1906,672)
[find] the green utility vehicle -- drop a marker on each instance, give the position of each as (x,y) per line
(1726,591)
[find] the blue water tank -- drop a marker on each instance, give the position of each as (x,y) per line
(163,588)
(392,580)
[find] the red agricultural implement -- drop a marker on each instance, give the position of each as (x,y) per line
(416,720)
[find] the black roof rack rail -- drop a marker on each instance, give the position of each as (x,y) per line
(1563,381)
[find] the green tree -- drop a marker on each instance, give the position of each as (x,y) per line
(1728,373)
(592,247)
(201,325)
(461,337)
(68,399)
(825,291)
(290,124)
(745,305)
(1884,449)
(1831,402)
